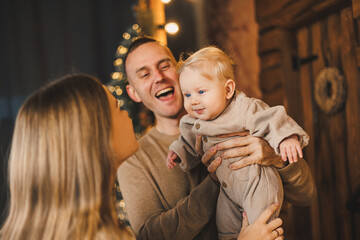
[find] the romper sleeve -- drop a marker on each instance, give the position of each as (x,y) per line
(184,147)
(272,124)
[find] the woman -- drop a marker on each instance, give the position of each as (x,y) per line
(69,139)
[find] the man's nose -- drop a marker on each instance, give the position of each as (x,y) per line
(158,75)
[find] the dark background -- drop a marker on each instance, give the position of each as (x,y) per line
(42,40)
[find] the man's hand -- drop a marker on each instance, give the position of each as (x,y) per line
(252,149)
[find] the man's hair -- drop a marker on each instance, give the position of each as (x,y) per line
(137,43)
(209,61)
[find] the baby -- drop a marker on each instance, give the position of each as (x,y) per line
(214,107)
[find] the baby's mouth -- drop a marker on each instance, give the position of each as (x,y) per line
(199,111)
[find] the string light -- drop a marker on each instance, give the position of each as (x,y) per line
(118,62)
(126,36)
(171,28)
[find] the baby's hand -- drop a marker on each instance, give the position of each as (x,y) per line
(172,159)
(290,148)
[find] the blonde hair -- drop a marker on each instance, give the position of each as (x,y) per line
(209,61)
(60,167)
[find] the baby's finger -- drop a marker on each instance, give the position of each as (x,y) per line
(289,154)
(294,153)
(299,150)
(168,164)
(283,154)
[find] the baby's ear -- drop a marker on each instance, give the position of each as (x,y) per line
(229,88)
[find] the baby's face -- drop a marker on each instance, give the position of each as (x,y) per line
(204,98)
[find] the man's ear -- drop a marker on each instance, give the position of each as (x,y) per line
(132,93)
(229,88)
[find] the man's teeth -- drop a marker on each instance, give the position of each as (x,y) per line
(166,90)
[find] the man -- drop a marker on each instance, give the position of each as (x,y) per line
(184,209)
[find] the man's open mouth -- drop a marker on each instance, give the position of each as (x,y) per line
(164,92)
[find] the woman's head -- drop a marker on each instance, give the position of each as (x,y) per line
(62,162)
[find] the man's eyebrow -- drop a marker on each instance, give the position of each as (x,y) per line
(164,60)
(141,69)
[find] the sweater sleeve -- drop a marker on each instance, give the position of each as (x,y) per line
(273,124)
(299,186)
(152,218)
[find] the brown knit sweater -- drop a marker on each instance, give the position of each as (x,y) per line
(167,203)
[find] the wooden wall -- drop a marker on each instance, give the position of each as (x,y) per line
(299,40)
(232,27)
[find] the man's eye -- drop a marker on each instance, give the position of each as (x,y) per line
(201,91)
(163,67)
(144,75)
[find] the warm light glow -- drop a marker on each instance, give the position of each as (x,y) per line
(111,88)
(121,49)
(165,1)
(126,36)
(117,76)
(171,28)
(135,26)
(118,62)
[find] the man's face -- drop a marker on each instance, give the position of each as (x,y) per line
(153,80)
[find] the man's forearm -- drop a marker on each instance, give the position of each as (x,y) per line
(299,186)
(187,219)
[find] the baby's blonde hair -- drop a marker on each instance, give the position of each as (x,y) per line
(209,61)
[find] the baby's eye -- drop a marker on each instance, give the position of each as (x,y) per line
(201,91)
(187,94)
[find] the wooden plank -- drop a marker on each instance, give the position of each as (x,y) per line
(351,72)
(358,56)
(356,8)
(290,77)
(337,135)
(267,8)
(270,80)
(308,111)
(270,60)
(268,41)
(299,13)
(325,160)
(274,98)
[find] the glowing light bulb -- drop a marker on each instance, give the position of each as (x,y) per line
(165,1)
(171,28)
